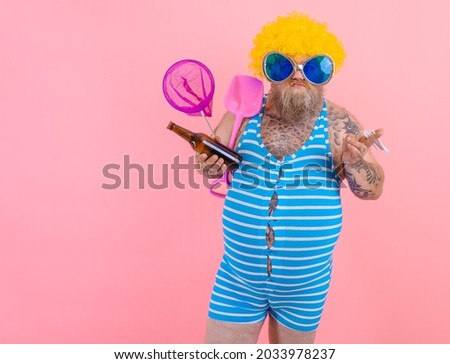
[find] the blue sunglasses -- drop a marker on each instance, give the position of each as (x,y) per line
(317,70)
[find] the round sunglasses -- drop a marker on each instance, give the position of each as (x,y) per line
(317,70)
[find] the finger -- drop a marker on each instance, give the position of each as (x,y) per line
(346,141)
(354,151)
(362,139)
(216,169)
(379,133)
(212,159)
(223,168)
(218,138)
(211,172)
(362,147)
(351,155)
(202,157)
(217,164)
(220,162)
(373,138)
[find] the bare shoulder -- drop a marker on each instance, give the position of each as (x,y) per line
(340,124)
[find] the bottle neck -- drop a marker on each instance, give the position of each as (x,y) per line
(182,132)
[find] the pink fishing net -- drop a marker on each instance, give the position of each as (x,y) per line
(188,86)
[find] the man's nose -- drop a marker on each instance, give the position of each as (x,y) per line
(298,74)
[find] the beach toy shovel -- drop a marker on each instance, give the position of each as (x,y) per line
(244,99)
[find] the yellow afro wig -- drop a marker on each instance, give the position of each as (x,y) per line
(295,34)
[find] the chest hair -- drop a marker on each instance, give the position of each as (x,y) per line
(282,137)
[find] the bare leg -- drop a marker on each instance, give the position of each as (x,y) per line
(218,332)
(279,334)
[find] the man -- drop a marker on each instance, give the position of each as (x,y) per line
(282,214)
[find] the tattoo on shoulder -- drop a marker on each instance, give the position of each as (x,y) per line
(335,118)
(335,114)
(341,123)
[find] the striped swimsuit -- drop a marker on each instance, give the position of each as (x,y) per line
(281,221)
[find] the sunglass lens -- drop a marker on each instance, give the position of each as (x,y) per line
(277,67)
(319,69)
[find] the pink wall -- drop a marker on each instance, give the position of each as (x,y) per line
(80,87)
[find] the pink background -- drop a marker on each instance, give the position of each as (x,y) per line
(80,87)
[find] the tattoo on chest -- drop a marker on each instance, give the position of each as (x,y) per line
(281,137)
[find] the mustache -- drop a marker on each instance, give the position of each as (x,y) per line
(299,105)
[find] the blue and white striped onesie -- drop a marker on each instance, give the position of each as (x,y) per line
(281,221)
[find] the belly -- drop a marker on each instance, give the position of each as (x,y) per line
(291,242)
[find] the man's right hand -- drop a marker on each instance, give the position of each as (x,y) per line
(212,167)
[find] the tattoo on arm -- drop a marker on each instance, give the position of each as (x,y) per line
(355,181)
(357,188)
(372,175)
(350,127)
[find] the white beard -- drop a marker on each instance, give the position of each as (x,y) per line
(298,105)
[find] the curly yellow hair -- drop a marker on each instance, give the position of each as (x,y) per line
(295,34)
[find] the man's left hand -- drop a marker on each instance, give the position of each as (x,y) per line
(356,146)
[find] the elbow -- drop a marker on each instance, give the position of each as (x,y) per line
(378,190)
(376,193)
(369,194)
